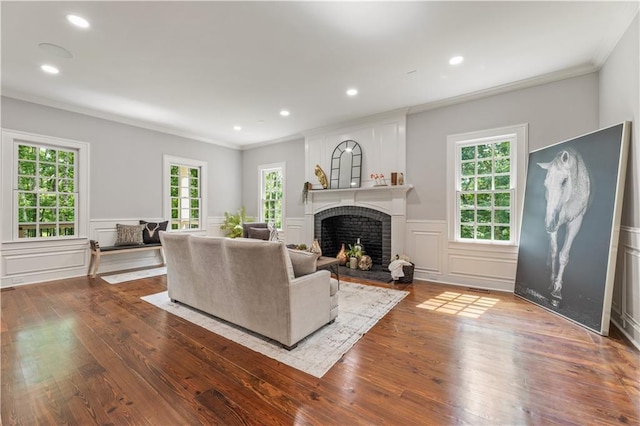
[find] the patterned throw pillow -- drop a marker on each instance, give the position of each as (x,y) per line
(273,232)
(151,231)
(129,235)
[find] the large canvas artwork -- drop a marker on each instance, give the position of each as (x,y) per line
(570,226)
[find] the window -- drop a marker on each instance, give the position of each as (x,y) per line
(272,193)
(48,192)
(185,192)
(487,179)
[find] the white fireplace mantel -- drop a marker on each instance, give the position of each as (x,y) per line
(391,200)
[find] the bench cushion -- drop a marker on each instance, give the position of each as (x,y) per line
(113,248)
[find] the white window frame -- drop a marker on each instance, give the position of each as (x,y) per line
(262,170)
(518,154)
(9,154)
(170,160)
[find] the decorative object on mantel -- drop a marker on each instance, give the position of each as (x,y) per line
(394,178)
(401,179)
(233,223)
(315,248)
(365,263)
(342,256)
(322,177)
(346,165)
(305,191)
(378,179)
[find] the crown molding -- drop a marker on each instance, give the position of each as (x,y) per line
(10,93)
(505,88)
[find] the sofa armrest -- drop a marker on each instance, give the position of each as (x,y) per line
(310,304)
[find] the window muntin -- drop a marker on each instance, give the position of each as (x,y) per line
(185,197)
(485,188)
(272,195)
(486,185)
(185,193)
(45,191)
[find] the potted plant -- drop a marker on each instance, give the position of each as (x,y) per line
(354,253)
(233,223)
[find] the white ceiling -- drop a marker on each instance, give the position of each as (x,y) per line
(197,69)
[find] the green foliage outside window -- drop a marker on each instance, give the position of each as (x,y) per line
(45,192)
(485,191)
(185,197)
(272,197)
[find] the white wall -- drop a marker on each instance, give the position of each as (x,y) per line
(554,112)
(125,173)
(292,154)
(620,101)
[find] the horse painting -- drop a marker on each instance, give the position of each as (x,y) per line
(567,190)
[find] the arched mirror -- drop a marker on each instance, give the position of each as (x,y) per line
(346,165)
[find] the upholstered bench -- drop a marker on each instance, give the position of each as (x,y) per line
(97,252)
(130,239)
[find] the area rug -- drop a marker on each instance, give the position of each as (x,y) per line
(361,307)
(135,275)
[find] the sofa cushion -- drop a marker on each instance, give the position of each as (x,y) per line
(129,235)
(247,225)
(304,263)
(259,233)
(151,231)
(333,287)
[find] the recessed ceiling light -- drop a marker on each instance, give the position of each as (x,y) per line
(50,69)
(284,113)
(456,60)
(238,128)
(78,21)
(352,92)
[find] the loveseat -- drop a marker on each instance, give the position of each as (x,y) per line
(250,283)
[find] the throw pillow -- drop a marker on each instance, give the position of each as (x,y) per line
(304,262)
(273,232)
(259,233)
(129,235)
(151,231)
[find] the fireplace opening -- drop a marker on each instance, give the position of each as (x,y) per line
(344,225)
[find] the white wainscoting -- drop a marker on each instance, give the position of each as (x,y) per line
(625,307)
(213,226)
(37,261)
(293,232)
(471,265)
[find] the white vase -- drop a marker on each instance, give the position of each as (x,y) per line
(353,263)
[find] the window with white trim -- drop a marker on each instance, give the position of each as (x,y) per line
(488,182)
(272,194)
(49,186)
(185,193)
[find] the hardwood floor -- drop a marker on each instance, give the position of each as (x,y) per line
(82,351)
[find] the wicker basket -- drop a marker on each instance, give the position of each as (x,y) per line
(408,274)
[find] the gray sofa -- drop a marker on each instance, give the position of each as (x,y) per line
(249,283)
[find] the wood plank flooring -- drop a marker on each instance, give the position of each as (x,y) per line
(83,352)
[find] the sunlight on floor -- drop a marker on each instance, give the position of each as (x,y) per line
(465,305)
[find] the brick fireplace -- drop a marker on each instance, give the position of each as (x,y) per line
(345,224)
(376,215)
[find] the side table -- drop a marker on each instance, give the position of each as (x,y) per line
(331,264)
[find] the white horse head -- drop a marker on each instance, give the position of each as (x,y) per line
(567,190)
